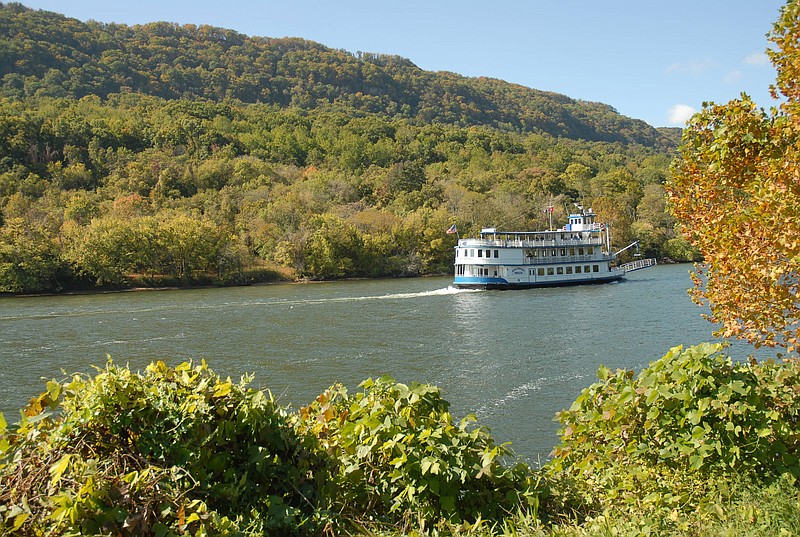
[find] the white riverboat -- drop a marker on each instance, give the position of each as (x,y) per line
(579,253)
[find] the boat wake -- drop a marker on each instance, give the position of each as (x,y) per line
(234,304)
(445,291)
(523,391)
(450,290)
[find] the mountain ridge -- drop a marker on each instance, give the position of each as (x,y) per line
(48,54)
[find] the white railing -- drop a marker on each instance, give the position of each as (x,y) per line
(639,264)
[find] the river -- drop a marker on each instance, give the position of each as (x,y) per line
(513,358)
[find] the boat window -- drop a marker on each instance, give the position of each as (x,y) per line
(540,272)
(595,268)
(572,251)
(569,270)
(591,251)
(550,271)
(586,269)
(553,252)
(472,253)
(580,251)
(578,269)
(480,253)
(496,254)
(560,270)
(563,251)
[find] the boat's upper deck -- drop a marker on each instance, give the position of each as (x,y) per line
(533,239)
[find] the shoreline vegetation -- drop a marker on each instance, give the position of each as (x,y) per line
(694,444)
(278,280)
(165,151)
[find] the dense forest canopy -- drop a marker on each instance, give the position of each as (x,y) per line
(168,153)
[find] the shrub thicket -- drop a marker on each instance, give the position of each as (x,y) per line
(167,452)
(181,450)
(403,459)
(666,439)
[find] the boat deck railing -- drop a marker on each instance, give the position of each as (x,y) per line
(638,264)
(536,243)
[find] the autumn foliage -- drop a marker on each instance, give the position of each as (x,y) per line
(736,190)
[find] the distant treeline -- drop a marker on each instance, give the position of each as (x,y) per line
(135,155)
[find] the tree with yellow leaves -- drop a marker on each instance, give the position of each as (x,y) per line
(736,192)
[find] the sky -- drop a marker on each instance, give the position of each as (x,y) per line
(654,60)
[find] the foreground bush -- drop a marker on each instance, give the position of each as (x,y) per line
(670,437)
(184,452)
(172,451)
(695,444)
(403,460)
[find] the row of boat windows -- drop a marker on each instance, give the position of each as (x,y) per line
(488,253)
(555,252)
(544,252)
(551,271)
(541,271)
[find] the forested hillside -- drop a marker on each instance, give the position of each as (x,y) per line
(180,154)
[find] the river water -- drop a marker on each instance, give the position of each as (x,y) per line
(513,358)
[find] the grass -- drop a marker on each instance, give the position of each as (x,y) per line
(750,511)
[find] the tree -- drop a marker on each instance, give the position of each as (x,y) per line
(106,250)
(188,245)
(29,261)
(334,249)
(736,193)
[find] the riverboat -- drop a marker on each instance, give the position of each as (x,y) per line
(578,253)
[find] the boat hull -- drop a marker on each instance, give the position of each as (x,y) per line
(502,284)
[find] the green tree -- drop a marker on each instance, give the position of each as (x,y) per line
(106,250)
(333,250)
(188,245)
(29,261)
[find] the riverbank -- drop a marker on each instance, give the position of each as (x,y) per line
(274,278)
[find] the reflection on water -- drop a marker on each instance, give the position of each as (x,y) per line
(514,358)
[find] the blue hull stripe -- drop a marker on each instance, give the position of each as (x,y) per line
(500,283)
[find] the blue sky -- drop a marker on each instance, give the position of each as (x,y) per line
(653,60)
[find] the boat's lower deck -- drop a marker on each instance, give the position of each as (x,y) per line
(502,276)
(484,282)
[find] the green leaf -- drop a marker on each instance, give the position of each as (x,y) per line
(222,389)
(57,470)
(19,520)
(53,390)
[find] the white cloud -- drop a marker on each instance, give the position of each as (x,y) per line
(732,77)
(679,114)
(756,58)
(693,67)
